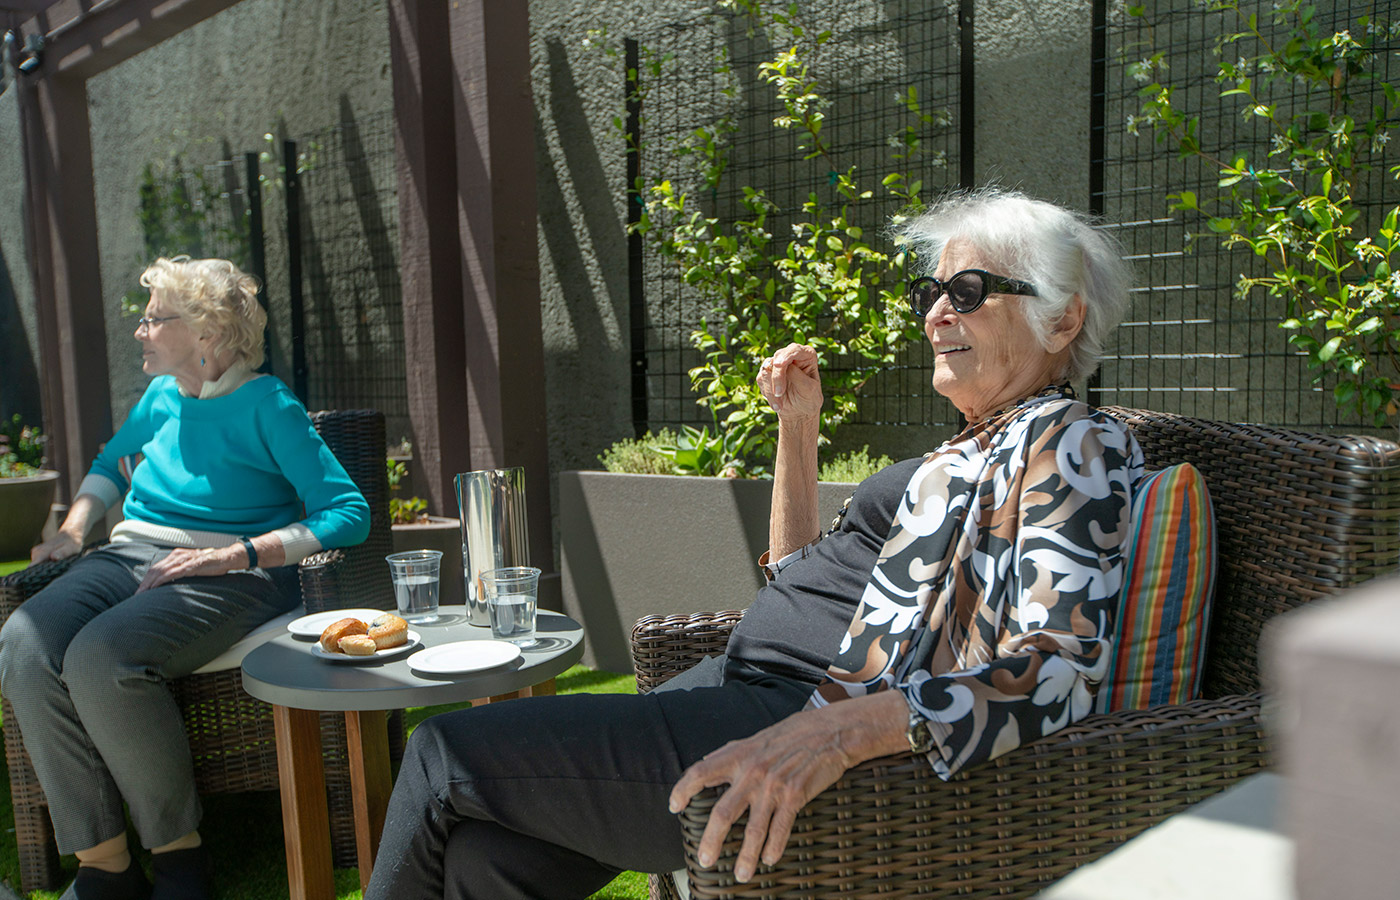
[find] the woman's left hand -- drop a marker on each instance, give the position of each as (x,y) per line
(183,563)
(774,773)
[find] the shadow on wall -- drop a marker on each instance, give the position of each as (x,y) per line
(19,376)
(599,325)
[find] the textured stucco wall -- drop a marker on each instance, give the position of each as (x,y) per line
(292,68)
(1032,88)
(280,66)
(583,217)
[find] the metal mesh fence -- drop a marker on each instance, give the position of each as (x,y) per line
(1188,344)
(876,53)
(349,243)
(196,209)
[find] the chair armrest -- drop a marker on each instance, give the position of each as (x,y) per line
(1006,827)
(665,646)
(18,587)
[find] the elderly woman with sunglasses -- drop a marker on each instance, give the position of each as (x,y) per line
(959,608)
(233,487)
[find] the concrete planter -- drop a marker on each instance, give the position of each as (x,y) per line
(635,545)
(438,533)
(24,510)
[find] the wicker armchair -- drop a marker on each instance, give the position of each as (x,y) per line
(1299,516)
(230,733)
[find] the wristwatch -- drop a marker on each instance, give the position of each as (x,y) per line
(919,734)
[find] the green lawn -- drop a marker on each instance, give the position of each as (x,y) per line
(244,831)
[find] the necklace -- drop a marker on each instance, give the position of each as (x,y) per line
(1065,390)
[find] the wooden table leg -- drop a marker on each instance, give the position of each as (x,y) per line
(305,821)
(367,739)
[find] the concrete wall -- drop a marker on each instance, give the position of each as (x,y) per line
(278,66)
(287,66)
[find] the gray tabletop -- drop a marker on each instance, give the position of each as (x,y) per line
(285,671)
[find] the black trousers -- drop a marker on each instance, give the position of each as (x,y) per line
(552,797)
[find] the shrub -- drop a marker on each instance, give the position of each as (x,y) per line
(857,465)
(646,455)
(21,449)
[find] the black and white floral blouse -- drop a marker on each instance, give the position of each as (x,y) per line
(992,601)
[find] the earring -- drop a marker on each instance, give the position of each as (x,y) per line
(201,362)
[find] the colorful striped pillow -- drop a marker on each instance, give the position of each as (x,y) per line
(1164,608)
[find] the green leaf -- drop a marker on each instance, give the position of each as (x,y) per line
(1329,349)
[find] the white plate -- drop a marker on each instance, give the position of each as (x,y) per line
(463,656)
(413,638)
(314,624)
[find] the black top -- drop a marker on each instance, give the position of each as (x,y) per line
(797,620)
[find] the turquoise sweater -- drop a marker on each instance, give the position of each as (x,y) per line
(245,463)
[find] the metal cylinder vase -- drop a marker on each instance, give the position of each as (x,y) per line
(494,533)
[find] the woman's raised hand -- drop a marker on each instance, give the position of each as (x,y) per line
(791,383)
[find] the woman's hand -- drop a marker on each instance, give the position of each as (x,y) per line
(774,773)
(183,563)
(791,383)
(61,546)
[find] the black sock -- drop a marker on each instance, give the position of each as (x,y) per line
(96,884)
(181,874)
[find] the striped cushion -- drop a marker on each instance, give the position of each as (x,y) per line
(1164,609)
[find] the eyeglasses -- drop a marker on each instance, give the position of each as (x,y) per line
(967,290)
(147,321)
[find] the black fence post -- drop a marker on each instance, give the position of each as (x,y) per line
(293,181)
(636,291)
(1098,104)
(252,191)
(967,97)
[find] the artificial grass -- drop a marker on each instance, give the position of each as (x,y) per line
(244,831)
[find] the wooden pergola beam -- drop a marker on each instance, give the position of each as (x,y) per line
(470,264)
(26,7)
(83,39)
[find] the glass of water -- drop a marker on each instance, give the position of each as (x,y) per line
(512,596)
(417,578)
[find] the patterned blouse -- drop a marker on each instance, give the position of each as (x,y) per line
(992,600)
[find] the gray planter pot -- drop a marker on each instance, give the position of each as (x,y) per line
(24,510)
(438,533)
(635,545)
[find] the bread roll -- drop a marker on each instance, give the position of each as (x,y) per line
(358,645)
(330,638)
(388,631)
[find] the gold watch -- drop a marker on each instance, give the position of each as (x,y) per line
(919,734)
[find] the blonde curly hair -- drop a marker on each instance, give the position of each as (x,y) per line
(215,298)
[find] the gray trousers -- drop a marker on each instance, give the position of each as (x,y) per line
(84,663)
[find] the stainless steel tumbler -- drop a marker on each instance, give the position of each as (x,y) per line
(492,506)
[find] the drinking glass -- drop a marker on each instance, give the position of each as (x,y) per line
(512,597)
(417,579)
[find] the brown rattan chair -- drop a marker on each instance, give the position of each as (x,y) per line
(1299,516)
(231,734)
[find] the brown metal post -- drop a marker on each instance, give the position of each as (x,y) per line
(81,39)
(72,331)
(430,270)
(495,139)
(469,256)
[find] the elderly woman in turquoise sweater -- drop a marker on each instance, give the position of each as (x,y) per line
(227,486)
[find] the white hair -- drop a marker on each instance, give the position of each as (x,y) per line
(1058,251)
